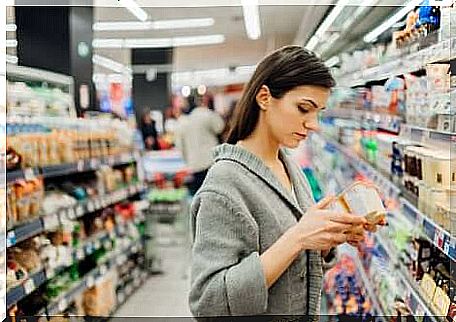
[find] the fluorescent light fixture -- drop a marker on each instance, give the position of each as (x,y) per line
(110,64)
(333,61)
(158,42)
(153,25)
(121,25)
(372,36)
(202,89)
(12,59)
(11,27)
(136,10)
(186,90)
(335,12)
(328,42)
(361,9)
(247,69)
(182,23)
(107,43)
(251,18)
(11,43)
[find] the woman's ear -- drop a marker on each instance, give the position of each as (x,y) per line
(263,97)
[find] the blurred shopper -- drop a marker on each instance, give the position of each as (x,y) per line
(195,136)
(260,242)
(149,132)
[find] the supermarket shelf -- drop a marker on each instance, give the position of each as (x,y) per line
(29,73)
(416,292)
(17,293)
(39,225)
(60,304)
(424,135)
(86,249)
(124,295)
(70,168)
(387,187)
(409,63)
(367,284)
(388,122)
(438,236)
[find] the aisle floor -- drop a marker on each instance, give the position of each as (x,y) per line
(165,295)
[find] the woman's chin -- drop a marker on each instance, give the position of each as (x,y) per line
(292,144)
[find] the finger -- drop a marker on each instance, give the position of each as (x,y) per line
(346,218)
(371,228)
(354,244)
(337,227)
(338,239)
(323,203)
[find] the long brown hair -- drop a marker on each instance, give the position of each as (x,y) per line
(281,71)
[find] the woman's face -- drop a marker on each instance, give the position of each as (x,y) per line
(292,117)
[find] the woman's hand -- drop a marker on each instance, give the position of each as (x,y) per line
(321,229)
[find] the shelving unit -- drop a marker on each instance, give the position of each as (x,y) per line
(70,168)
(406,63)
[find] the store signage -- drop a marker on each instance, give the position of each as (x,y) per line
(441,3)
(83,49)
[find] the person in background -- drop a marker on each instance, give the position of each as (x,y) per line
(149,132)
(195,136)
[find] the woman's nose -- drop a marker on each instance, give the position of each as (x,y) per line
(312,125)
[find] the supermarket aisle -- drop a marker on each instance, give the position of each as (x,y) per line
(165,294)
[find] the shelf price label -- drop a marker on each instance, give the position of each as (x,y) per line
(90,206)
(71,213)
(29,286)
(50,222)
(63,304)
(79,211)
(90,281)
(103,269)
(96,244)
(80,165)
(29,174)
(80,254)
(94,163)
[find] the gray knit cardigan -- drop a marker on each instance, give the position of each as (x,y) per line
(238,213)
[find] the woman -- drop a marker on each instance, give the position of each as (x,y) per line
(149,132)
(260,244)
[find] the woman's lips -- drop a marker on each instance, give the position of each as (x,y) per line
(300,135)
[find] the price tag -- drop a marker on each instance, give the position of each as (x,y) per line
(29,286)
(80,165)
(446,247)
(50,272)
(71,213)
(121,297)
(63,304)
(438,238)
(107,244)
(94,163)
(90,281)
(11,239)
(80,254)
(29,174)
(79,211)
(50,222)
(90,206)
(103,269)
(96,244)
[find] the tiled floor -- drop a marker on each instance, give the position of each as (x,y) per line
(165,295)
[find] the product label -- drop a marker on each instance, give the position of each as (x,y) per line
(63,304)
(29,286)
(90,281)
(79,211)
(80,165)
(80,254)
(29,174)
(50,222)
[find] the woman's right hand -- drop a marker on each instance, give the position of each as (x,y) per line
(322,229)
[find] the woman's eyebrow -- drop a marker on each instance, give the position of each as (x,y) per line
(312,102)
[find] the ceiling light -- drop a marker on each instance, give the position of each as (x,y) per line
(11,27)
(247,69)
(202,90)
(251,18)
(158,42)
(371,36)
(12,59)
(110,64)
(122,25)
(333,61)
(11,43)
(182,23)
(326,24)
(107,43)
(153,25)
(186,90)
(361,9)
(328,42)
(136,10)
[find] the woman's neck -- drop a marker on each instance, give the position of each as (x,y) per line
(262,146)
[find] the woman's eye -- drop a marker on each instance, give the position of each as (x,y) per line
(303,109)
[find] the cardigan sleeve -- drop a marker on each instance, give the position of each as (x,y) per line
(227,275)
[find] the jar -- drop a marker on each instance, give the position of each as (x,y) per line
(440,170)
